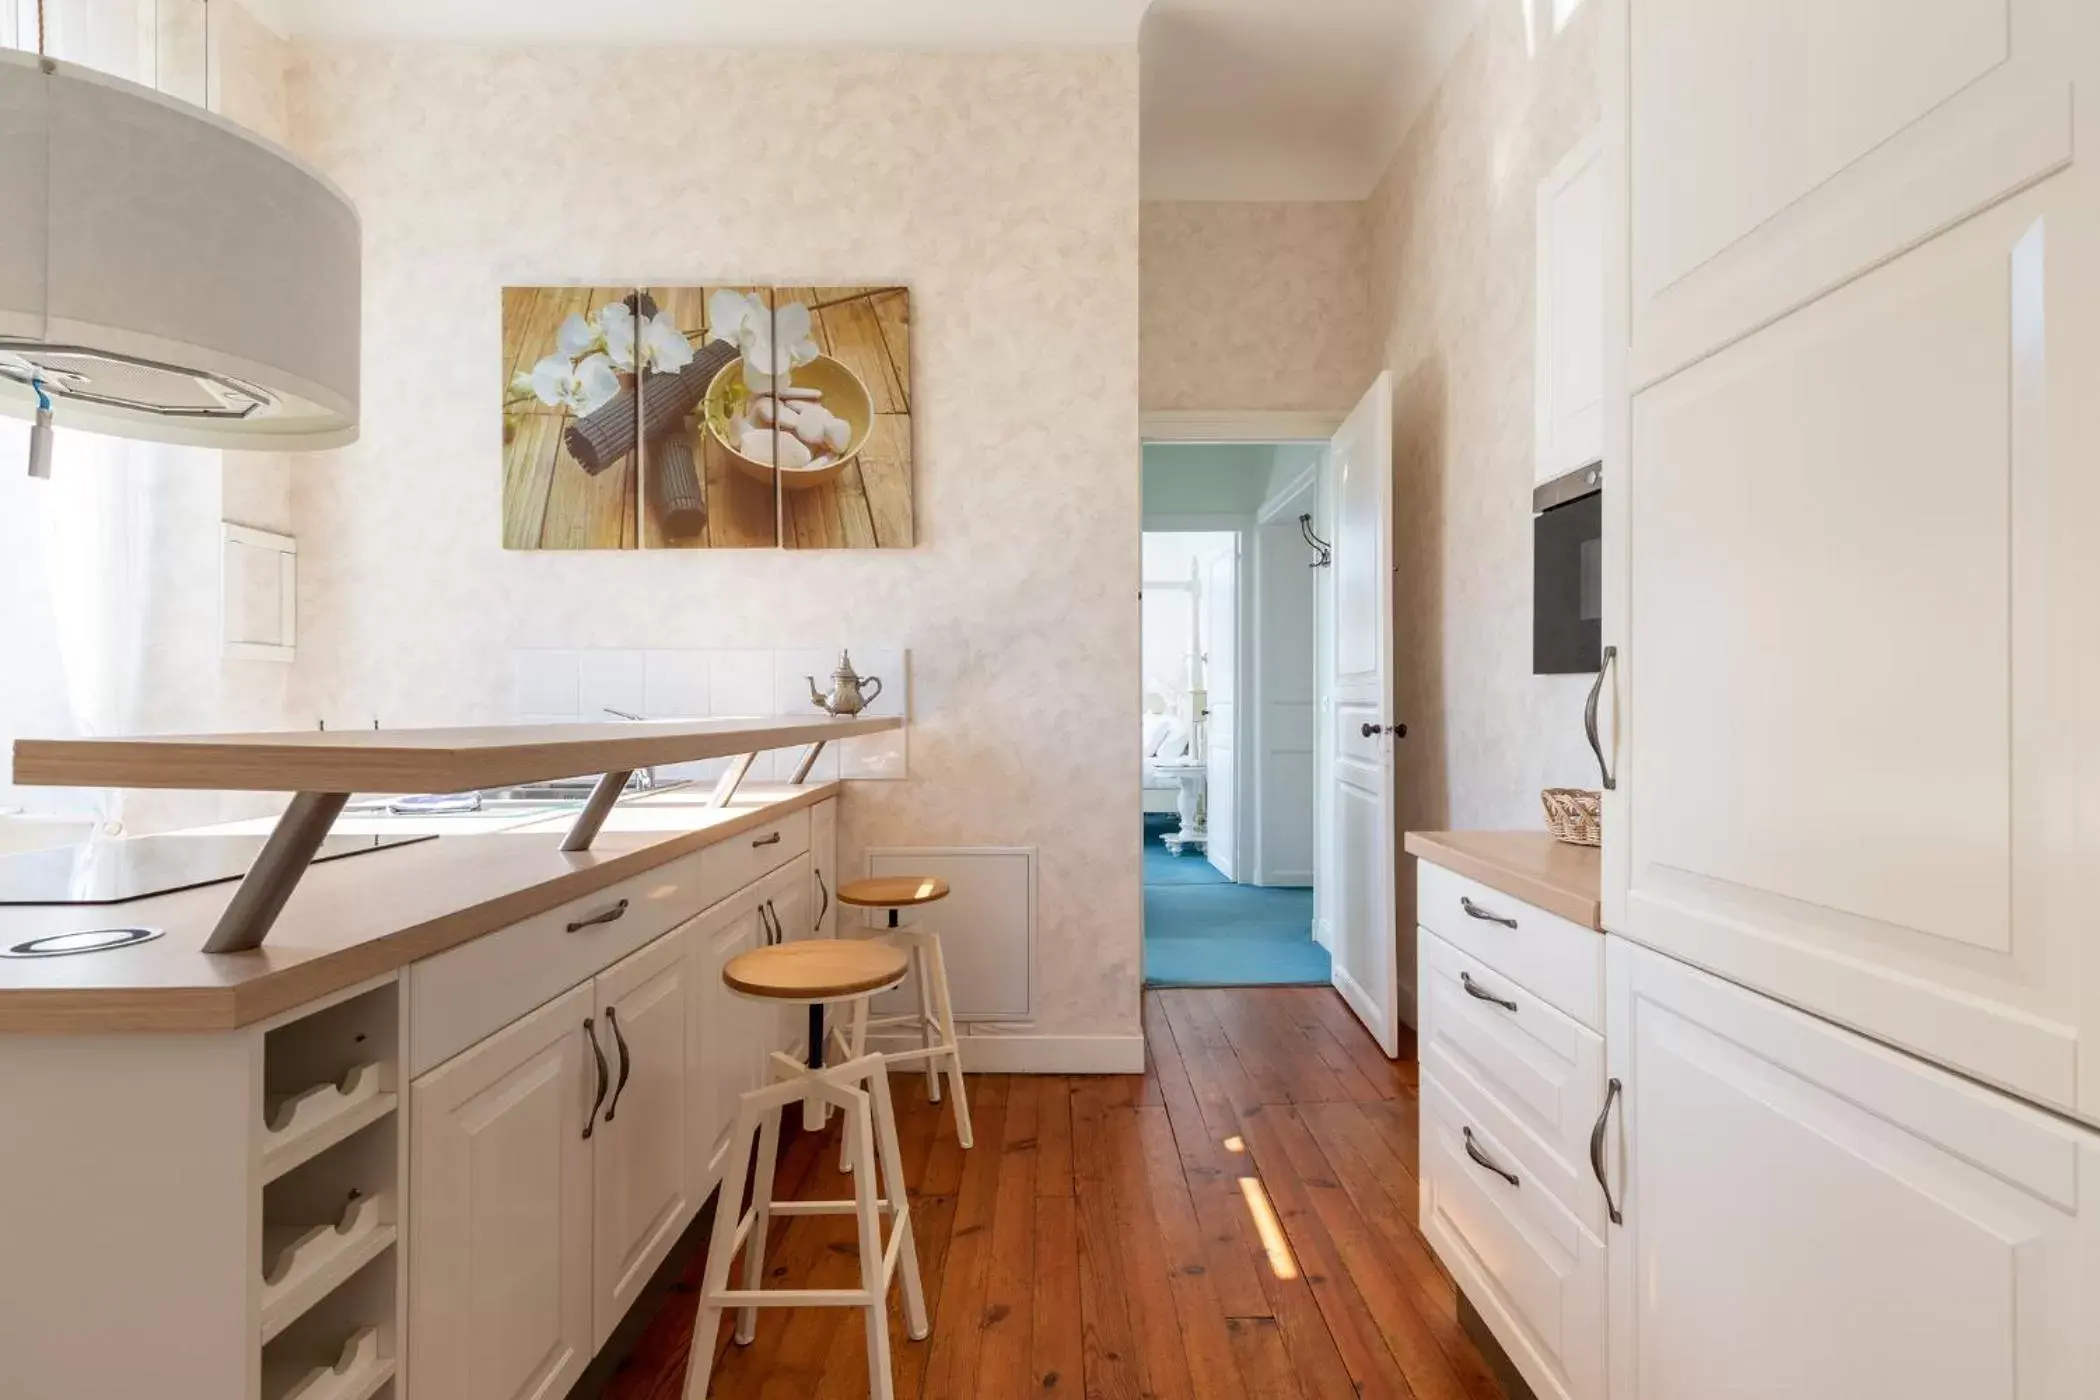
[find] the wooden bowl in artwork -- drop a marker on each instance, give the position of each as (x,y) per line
(844,395)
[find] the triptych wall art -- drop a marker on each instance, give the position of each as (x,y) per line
(707,418)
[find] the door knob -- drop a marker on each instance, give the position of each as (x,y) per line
(1372,731)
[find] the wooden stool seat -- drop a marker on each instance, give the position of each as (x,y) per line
(817,969)
(893,891)
(934,1022)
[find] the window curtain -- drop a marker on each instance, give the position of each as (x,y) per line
(76,551)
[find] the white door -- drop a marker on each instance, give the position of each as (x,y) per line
(1807,1213)
(642,1178)
(499,1295)
(1860,293)
(1220,617)
(1360,784)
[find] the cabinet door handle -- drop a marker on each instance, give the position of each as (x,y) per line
(612,1019)
(1611,1096)
(590,1033)
(1589,720)
(824,906)
(1473,1151)
(1480,993)
(771,838)
(604,916)
(1488,914)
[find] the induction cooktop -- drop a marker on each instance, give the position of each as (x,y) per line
(134,867)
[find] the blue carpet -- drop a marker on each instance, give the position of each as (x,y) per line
(1201,930)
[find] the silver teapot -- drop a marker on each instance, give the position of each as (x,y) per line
(847,696)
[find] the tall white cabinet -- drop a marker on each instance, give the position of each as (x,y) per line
(1857,612)
(1854,290)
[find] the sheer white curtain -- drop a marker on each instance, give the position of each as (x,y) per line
(75,551)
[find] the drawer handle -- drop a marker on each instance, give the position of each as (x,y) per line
(590,1033)
(603,917)
(1480,993)
(1473,1151)
(771,838)
(1611,1096)
(612,1019)
(1488,914)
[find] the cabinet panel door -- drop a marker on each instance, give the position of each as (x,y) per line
(643,1182)
(1857,603)
(726,1027)
(500,1212)
(1809,1213)
(788,897)
(1569,389)
(824,865)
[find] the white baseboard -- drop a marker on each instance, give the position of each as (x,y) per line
(1040,1054)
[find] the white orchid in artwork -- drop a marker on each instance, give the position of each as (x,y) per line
(578,337)
(581,386)
(665,350)
(772,343)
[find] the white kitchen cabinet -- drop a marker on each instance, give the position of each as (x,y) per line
(500,1207)
(824,866)
(1568,382)
(727,1031)
(1807,1213)
(787,898)
(1848,576)
(643,1178)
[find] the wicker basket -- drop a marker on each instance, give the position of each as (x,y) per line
(1574,815)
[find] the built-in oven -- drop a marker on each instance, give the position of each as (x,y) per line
(1567,573)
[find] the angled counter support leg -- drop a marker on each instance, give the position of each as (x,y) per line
(276,872)
(585,828)
(806,762)
(730,781)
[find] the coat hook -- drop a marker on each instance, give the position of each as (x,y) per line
(1325,550)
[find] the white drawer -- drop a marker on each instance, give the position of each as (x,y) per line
(1559,960)
(1535,1274)
(1538,1070)
(461,996)
(732,864)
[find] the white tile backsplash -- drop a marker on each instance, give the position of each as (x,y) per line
(544,683)
(610,680)
(553,685)
(675,685)
(740,683)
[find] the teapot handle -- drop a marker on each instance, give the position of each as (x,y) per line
(867,695)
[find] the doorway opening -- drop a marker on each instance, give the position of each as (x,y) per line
(1230,666)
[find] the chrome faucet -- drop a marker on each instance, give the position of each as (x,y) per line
(644,778)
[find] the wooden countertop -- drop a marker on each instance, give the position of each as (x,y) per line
(351,919)
(1527,865)
(411,760)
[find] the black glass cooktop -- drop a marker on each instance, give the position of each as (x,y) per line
(133,867)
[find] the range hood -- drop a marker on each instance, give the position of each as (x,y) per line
(165,274)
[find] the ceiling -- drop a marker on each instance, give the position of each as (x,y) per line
(1242,99)
(1287,99)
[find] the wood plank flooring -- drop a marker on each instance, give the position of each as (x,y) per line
(1234,1224)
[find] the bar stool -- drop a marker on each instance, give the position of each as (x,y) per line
(935,1018)
(819,972)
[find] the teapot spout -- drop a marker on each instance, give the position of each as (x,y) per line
(818,697)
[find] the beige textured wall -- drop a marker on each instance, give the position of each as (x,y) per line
(1453,229)
(1001,188)
(1254,306)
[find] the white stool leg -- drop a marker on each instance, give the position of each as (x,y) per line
(761,1220)
(922,972)
(856,1046)
(868,1213)
(916,1325)
(944,1009)
(729,1205)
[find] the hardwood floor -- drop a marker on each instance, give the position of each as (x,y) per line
(1236,1222)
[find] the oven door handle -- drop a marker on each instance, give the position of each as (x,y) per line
(1589,719)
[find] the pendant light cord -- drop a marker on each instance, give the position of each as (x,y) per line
(40,29)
